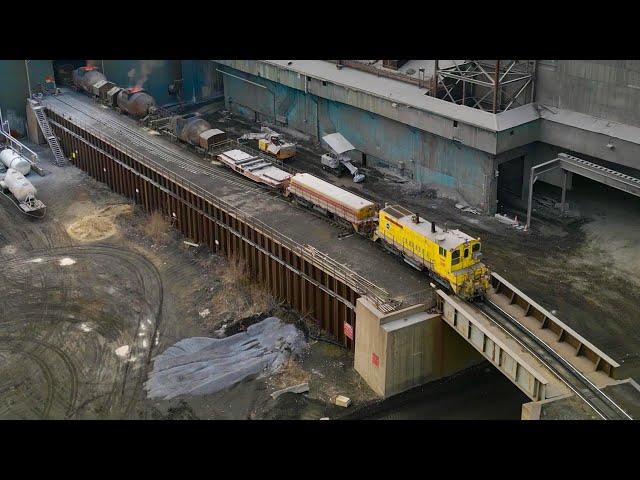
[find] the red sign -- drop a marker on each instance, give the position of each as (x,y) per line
(375,360)
(348,330)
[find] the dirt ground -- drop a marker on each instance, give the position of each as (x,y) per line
(95,289)
(585,269)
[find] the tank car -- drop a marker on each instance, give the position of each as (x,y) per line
(136,102)
(85,77)
(189,128)
(100,89)
(11,159)
(22,193)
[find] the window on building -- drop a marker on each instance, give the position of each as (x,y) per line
(443,252)
(455,123)
(324,83)
(476,247)
(455,254)
(466,252)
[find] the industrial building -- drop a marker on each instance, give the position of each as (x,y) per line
(474,127)
(405,262)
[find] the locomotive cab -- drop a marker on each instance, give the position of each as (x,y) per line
(468,276)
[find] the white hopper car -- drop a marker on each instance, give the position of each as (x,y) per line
(333,201)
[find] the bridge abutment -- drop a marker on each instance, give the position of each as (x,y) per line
(397,351)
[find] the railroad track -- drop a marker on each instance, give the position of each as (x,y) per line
(187,162)
(156,149)
(575,380)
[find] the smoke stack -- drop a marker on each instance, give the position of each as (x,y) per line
(433,227)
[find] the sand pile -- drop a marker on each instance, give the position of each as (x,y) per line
(99,225)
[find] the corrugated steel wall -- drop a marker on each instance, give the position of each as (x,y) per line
(319,292)
(125,72)
(200,80)
(14,89)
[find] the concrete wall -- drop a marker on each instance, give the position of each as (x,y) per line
(411,347)
(603,88)
(429,159)
(200,80)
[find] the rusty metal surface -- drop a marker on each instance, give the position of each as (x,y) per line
(85,79)
(136,104)
(354,252)
(308,280)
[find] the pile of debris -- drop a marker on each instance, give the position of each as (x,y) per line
(467,208)
(510,221)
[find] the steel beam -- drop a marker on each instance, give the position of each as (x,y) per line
(593,171)
(495,345)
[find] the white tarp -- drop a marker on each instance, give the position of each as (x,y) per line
(338,143)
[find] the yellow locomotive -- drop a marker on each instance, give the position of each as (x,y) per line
(451,256)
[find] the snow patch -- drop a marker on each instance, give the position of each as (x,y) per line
(85,327)
(123,351)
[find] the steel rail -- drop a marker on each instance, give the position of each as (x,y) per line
(152,148)
(231,178)
(157,149)
(363,286)
(546,355)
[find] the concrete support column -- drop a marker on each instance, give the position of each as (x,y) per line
(564,189)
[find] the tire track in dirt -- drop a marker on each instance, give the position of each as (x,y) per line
(144,273)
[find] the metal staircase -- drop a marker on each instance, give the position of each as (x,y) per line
(52,140)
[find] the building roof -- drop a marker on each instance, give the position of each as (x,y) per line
(447,239)
(590,123)
(390,89)
(338,143)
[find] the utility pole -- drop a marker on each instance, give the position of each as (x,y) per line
(434,92)
(26,67)
(496,86)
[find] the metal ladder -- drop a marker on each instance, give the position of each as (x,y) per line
(52,140)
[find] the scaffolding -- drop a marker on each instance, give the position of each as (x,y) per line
(490,85)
